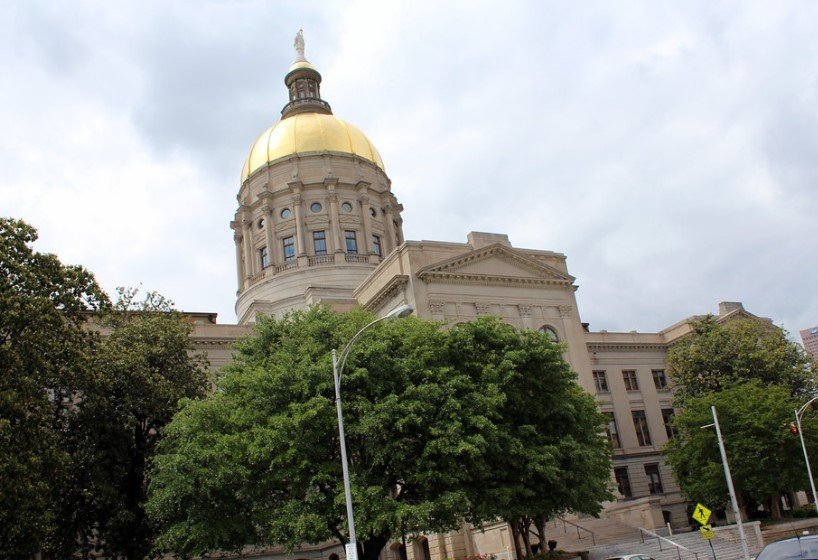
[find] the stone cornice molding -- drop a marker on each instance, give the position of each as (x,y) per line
(391,288)
(626,346)
(447,272)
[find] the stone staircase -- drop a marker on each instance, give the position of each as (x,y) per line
(604,538)
(691,546)
(589,532)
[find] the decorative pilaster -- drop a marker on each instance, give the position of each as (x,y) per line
(525,315)
(437,308)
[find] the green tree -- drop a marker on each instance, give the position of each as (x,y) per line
(756,377)
(718,355)
(754,420)
(257,462)
(550,456)
(142,368)
(44,358)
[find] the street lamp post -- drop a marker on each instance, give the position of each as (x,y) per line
(798,414)
(338,363)
(729,478)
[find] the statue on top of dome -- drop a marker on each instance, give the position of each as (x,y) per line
(299,46)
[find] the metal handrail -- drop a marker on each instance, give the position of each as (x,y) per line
(678,546)
(564,521)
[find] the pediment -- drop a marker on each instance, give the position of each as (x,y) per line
(494,264)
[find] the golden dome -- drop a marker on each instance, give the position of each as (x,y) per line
(308,133)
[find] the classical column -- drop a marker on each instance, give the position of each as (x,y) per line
(389,227)
(334,220)
(249,260)
(239,271)
(268,234)
(366,224)
(299,225)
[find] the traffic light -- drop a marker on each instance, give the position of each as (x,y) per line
(793,428)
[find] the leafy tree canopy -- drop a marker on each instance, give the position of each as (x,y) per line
(756,377)
(754,420)
(432,417)
(718,355)
(141,369)
(44,358)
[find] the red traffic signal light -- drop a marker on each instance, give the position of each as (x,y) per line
(793,428)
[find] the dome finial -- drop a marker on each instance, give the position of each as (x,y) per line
(299,46)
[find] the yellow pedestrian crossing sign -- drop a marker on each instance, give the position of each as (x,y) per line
(707,532)
(701,514)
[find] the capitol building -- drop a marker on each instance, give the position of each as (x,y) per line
(318,222)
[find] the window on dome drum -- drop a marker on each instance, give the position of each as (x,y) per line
(346,207)
(286,213)
(373,212)
(640,424)
(260,223)
(601,381)
(550,332)
(264,257)
(351,241)
(612,431)
(667,416)
(319,242)
(315,207)
(660,379)
(289,248)
(654,480)
(629,377)
(623,481)
(376,244)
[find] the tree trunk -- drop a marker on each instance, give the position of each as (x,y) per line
(525,527)
(775,505)
(371,547)
(515,537)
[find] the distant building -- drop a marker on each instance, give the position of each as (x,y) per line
(810,339)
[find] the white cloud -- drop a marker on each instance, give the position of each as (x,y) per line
(668,149)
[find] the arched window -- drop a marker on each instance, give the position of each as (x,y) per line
(550,332)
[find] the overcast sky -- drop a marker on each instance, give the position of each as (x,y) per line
(669,149)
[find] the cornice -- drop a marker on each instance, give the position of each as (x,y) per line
(447,271)
(395,284)
(633,346)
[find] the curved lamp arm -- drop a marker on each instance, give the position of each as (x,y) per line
(341,360)
(801,410)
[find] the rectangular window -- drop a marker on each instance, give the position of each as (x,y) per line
(289,248)
(601,382)
(667,416)
(654,480)
(660,379)
(612,431)
(623,481)
(319,242)
(264,257)
(351,241)
(640,424)
(629,377)
(376,243)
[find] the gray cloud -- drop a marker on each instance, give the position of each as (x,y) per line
(668,149)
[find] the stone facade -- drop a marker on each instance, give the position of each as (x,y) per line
(317,223)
